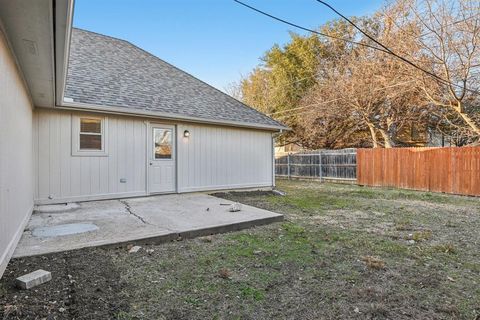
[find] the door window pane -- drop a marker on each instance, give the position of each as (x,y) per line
(162,139)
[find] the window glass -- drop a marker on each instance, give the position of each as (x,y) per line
(162,139)
(90,142)
(90,125)
(90,134)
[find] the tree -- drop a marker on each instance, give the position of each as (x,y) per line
(334,94)
(287,73)
(447,34)
(367,91)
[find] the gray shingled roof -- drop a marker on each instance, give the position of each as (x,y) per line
(111,72)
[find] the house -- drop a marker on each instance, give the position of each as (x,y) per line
(84,116)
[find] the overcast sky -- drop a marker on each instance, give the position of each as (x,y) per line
(215,40)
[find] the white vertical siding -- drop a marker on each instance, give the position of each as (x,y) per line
(16,155)
(211,158)
(222,158)
(63,177)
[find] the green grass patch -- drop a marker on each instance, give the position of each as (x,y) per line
(252,293)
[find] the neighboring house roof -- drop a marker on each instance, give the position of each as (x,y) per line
(111,72)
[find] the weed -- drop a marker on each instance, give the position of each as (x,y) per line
(252,293)
(293,229)
(422,235)
(224,273)
(373,262)
(192,301)
(450,224)
(446,248)
(403,225)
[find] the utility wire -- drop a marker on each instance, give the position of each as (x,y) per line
(307,29)
(389,51)
(382,49)
(324,102)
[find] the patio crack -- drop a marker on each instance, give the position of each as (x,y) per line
(129,210)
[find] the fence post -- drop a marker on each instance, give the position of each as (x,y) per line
(320,165)
(288,166)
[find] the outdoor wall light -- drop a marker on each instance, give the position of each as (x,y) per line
(186,133)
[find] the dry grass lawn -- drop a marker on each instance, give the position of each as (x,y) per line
(343,252)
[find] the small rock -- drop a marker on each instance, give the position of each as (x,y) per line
(134,249)
(411,241)
(257,252)
(279,192)
(235,207)
(61,309)
(356,310)
(149,251)
(207,239)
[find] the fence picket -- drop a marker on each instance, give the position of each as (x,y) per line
(321,164)
(451,169)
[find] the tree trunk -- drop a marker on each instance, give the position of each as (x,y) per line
(373,135)
(386,138)
(469,121)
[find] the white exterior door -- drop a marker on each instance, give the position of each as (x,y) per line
(161,159)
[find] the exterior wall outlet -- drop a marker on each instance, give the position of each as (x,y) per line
(123,180)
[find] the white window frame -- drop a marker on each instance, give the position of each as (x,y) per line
(76,151)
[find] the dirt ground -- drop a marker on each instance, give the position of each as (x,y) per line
(344,251)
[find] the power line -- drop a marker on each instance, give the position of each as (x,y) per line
(307,29)
(389,51)
(383,49)
(337,99)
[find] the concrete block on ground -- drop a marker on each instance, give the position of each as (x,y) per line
(33,279)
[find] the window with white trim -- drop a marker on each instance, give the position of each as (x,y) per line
(88,136)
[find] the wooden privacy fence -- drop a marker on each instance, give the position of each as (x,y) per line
(451,170)
(320,164)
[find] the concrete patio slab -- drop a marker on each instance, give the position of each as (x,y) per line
(153,219)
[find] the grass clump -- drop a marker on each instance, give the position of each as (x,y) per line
(422,235)
(252,293)
(224,273)
(373,262)
(446,248)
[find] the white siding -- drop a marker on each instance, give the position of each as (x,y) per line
(63,177)
(223,158)
(211,158)
(16,158)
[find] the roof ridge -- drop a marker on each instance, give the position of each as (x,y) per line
(182,71)
(220,105)
(100,34)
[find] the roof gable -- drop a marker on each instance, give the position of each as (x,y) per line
(111,72)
